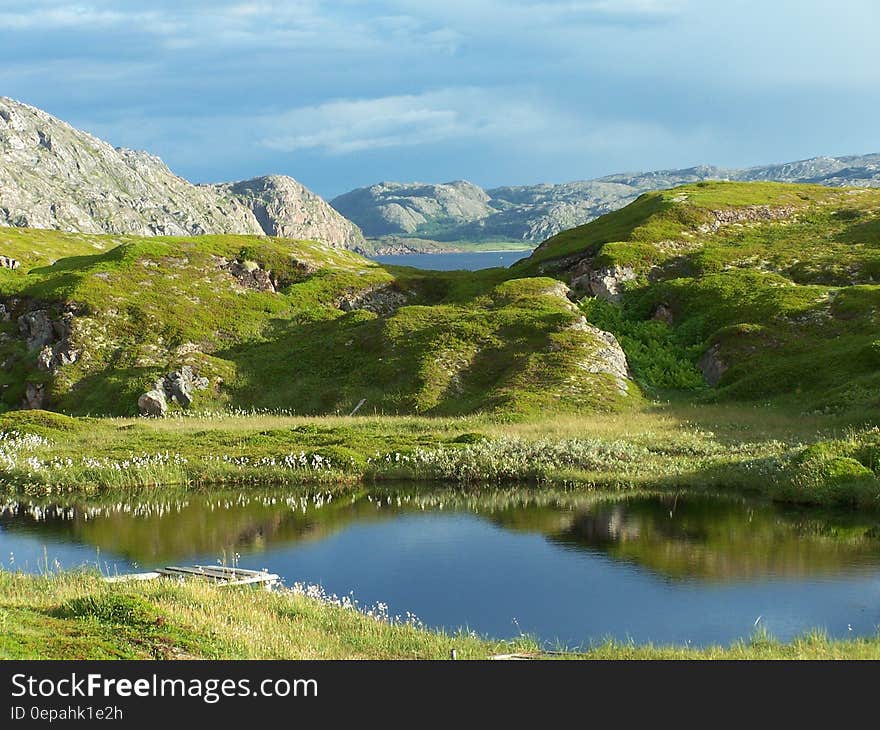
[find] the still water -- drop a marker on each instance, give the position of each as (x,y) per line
(453,261)
(574,571)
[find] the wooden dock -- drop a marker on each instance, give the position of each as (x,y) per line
(220,574)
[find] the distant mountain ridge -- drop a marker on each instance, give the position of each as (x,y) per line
(54,176)
(462,211)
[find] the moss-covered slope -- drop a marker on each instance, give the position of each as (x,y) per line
(758,289)
(92,322)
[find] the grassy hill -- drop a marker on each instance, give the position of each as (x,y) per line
(749,291)
(770,289)
(91,322)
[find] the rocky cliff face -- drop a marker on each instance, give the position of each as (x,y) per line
(533,213)
(285,208)
(55,176)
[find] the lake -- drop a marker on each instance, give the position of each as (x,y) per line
(570,570)
(452,261)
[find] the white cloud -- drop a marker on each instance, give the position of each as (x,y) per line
(353,125)
(507,118)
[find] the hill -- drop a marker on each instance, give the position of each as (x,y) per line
(97,324)
(463,212)
(759,290)
(53,176)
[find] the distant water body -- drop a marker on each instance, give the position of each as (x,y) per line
(452,261)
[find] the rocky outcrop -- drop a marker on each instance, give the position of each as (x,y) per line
(51,336)
(177,387)
(746,214)
(604,283)
(55,176)
(607,357)
(712,366)
(382,300)
(248,274)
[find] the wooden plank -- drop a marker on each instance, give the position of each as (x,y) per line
(263,578)
(132,576)
(224,570)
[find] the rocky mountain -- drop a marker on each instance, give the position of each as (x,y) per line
(390,208)
(57,177)
(461,211)
(285,208)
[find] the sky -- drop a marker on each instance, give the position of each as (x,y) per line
(344,93)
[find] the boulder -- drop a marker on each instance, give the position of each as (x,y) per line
(153,403)
(178,386)
(607,283)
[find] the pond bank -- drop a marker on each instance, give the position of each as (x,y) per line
(788,458)
(74,616)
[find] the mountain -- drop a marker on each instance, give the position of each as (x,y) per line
(389,208)
(286,209)
(53,176)
(462,211)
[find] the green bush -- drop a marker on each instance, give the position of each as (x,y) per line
(656,356)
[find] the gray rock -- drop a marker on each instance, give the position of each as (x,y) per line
(34,396)
(607,283)
(382,300)
(153,404)
(37,328)
(606,355)
(712,366)
(249,275)
(45,358)
(178,386)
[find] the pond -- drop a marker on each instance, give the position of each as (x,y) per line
(471,260)
(570,570)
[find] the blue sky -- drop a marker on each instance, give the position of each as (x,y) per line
(344,93)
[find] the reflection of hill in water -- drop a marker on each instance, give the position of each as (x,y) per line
(719,540)
(156,533)
(694,537)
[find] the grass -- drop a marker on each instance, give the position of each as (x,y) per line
(78,616)
(784,455)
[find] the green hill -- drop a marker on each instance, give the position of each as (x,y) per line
(762,290)
(750,291)
(93,322)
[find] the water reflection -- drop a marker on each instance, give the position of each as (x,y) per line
(694,537)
